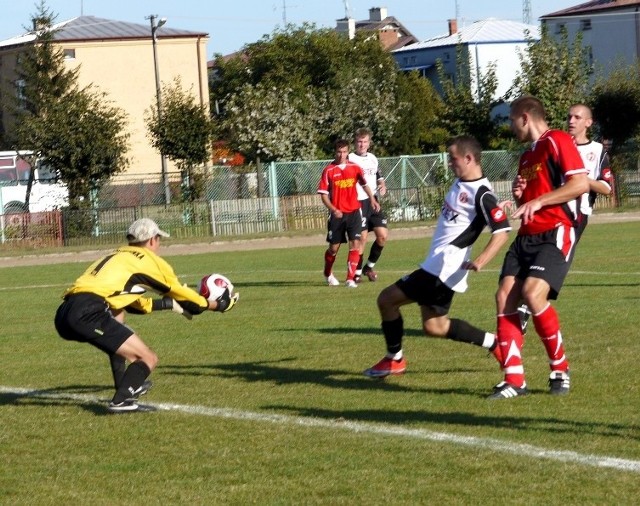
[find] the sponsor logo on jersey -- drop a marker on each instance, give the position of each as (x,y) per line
(463,197)
(591,156)
(531,173)
(345,183)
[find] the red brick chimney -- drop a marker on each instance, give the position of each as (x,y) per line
(453,26)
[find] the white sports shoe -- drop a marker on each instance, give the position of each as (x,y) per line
(332,280)
(350,283)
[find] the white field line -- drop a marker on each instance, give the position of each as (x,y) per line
(193,276)
(489,444)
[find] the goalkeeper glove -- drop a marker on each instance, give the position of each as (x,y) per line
(171,303)
(226,301)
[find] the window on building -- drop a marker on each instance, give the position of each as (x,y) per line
(585,24)
(20,93)
(446,57)
(560,27)
(69,54)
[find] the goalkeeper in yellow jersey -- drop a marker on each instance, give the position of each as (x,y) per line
(94,306)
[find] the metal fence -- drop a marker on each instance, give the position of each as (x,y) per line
(230,203)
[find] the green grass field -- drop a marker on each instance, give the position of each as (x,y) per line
(267,404)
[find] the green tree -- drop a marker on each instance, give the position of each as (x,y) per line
(616,105)
(181,130)
(332,85)
(464,111)
(555,71)
(76,130)
(419,109)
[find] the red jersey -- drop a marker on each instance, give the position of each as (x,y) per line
(550,161)
(339,182)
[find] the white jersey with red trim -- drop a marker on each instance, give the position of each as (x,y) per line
(596,161)
(369,164)
(468,208)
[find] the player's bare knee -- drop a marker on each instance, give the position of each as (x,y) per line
(434,328)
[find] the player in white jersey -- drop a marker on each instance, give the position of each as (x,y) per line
(371,220)
(469,207)
(595,158)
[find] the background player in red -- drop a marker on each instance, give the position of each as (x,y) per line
(470,206)
(596,161)
(551,178)
(337,189)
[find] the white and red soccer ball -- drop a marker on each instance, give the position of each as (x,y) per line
(213,286)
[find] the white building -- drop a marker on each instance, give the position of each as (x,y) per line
(486,41)
(610,31)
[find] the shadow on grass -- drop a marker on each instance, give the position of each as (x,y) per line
(372,331)
(71,395)
(274,372)
(542,424)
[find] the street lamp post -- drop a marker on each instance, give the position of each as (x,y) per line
(154,28)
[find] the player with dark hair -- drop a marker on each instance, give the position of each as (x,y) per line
(469,207)
(94,306)
(551,178)
(596,161)
(375,221)
(337,189)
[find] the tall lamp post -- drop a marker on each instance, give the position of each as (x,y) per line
(155,24)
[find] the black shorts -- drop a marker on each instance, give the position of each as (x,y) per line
(545,256)
(349,226)
(370,219)
(427,290)
(86,318)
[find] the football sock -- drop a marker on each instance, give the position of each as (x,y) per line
(460,330)
(118,368)
(548,328)
(329,260)
(359,268)
(133,378)
(393,331)
(352,263)
(510,341)
(374,254)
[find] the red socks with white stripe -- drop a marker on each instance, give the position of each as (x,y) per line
(510,341)
(548,328)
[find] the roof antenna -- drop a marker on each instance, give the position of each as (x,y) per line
(82,7)
(347,10)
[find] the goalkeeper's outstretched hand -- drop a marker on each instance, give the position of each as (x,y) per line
(226,301)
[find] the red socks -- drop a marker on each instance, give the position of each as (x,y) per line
(548,328)
(510,341)
(329,260)
(352,263)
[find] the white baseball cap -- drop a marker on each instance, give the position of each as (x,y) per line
(144,229)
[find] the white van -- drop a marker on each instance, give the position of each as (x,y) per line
(47,194)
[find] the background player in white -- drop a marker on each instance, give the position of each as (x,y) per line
(371,219)
(595,158)
(469,206)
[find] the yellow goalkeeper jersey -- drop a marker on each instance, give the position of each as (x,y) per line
(123,278)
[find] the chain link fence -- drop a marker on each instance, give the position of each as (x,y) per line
(281,198)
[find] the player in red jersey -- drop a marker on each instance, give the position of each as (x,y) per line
(337,189)
(551,178)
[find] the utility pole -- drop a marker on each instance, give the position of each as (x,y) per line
(163,160)
(526,12)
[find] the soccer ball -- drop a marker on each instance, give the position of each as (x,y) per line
(213,286)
